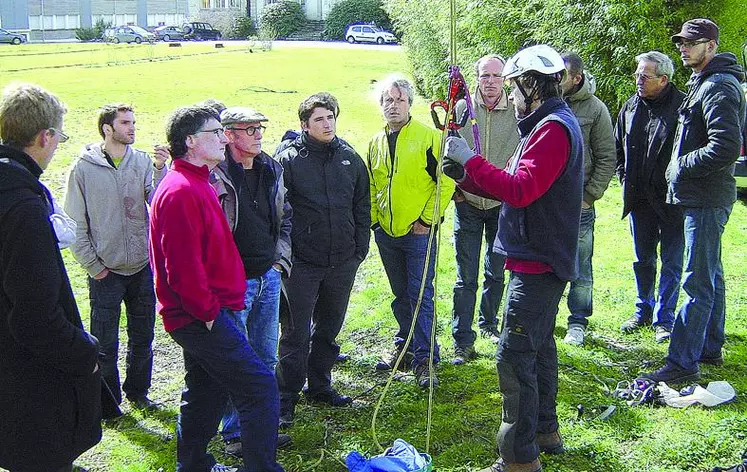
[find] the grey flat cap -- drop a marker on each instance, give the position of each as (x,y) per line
(234,115)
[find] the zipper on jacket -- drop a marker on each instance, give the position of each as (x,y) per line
(389,191)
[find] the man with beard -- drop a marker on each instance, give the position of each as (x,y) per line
(701,182)
(108,191)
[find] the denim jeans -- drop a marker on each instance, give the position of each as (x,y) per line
(259,320)
(219,363)
(404,259)
(649,230)
(527,361)
(699,325)
(579,295)
(106,297)
(469,225)
(318,299)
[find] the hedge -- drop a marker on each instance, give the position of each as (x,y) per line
(281,19)
(608,34)
(355,11)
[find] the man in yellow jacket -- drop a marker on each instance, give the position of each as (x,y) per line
(402,160)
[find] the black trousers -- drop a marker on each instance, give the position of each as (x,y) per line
(318,299)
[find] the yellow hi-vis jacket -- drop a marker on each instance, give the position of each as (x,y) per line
(403,187)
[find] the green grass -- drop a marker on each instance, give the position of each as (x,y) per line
(466,412)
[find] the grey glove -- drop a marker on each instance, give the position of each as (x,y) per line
(458,150)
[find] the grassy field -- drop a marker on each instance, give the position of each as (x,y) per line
(466,411)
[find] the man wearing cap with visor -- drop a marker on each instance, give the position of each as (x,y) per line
(252,194)
(701,181)
(541,189)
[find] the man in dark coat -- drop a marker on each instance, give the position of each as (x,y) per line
(50,400)
(643,136)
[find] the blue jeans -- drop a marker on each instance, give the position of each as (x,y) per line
(699,325)
(219,363)
(579,295)
(469,225)
(649,229)
(259,320)
(404,259)
(527,361)
(106,297)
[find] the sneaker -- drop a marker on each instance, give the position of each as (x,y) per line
(223,468)
(423,375)
(329,397)
(575,335)
(287,412)
(716,360)
(342,358)
(633,323)
(662,334)
(491,333)
(387,364)
(144,403)
(232,446)
(672,375)
(284,441)
(462,355)
(501,466)
(550,443)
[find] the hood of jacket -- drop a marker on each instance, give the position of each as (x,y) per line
(586,90)
(723,63)
(25,172)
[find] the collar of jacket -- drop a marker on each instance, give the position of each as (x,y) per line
(724,63)
(585,90)
(502,103)
(317,147)
(21,158)
(527,124)
(663,98)
(201,172)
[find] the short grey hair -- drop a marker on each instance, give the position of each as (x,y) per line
(398,82)
(488,57)
(664,65)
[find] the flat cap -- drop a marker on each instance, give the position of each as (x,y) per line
(234,115)
(699,28)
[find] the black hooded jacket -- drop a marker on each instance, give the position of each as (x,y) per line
(50,399)
(709,137)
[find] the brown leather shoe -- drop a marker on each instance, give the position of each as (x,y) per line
(501,466)
(550,443)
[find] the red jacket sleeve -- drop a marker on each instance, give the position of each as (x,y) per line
(543,160)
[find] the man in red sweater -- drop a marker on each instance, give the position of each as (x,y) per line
(541,190)
(199,279)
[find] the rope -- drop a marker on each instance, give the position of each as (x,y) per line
(434,235)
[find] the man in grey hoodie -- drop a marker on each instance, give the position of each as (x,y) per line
(108,189)
(600,157)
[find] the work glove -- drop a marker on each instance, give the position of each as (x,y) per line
(458,150)
(453,169)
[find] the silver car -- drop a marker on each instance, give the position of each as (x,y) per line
(11,38)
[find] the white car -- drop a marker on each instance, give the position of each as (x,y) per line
(368,34)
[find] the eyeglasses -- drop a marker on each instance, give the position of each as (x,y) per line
(644,77)
(250,130)
(690,44)
(217,131)
(63,136)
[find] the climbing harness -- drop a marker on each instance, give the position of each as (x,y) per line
(637,392)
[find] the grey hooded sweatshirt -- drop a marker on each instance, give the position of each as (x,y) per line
(600,154)
(109,206)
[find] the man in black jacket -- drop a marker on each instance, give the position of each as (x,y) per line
(643,136)
(328,189)
(50,399)
(701,181)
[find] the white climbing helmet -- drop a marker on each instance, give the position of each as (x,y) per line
(540,58)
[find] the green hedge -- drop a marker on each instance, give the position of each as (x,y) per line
(608,34)
(355,11)
(281,19)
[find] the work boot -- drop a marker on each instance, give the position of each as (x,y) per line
(462,355)
(287,412)
(633,323)
(501,466)
(388,363)
(144,403)
(716,360)
(672,375)
(550,443)
(329,397)
(423,375)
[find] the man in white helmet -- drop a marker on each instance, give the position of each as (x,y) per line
(541,189)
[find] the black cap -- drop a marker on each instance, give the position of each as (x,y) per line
(699,28)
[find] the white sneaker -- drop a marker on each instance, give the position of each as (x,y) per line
(223,468)
(575,335)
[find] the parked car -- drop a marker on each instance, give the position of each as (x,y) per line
(368,34)
(11,38)
(169,33)
(128,34)
(198,31)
